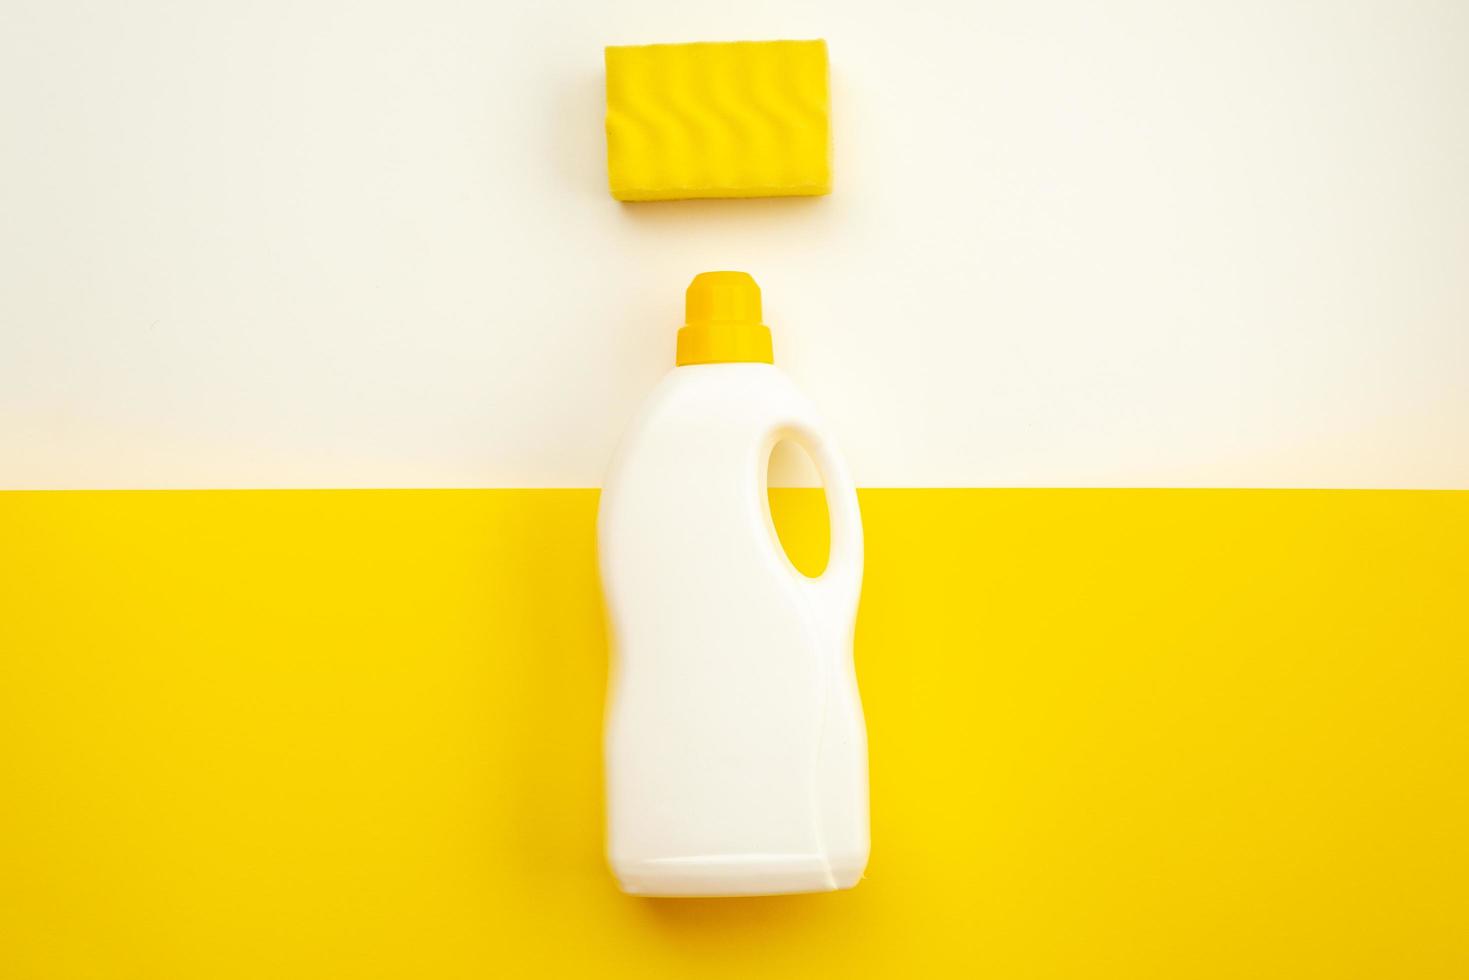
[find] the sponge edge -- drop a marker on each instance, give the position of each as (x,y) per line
(718,119)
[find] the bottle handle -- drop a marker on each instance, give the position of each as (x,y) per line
(842,577)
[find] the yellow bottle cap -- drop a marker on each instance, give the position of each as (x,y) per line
(722,321)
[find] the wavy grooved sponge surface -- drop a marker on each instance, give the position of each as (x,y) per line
(727,119)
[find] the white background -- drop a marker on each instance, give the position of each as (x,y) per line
(370,243)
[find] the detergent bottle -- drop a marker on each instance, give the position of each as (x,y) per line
(736,752)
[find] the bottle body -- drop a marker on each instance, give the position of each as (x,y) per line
(736,754)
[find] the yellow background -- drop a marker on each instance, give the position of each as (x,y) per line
(356,734)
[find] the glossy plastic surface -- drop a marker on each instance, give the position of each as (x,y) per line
(735,746)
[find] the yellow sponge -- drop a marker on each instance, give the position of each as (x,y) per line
(729,119)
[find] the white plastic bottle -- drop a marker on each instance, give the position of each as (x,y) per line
(736,752)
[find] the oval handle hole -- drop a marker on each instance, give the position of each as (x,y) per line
(798,507)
